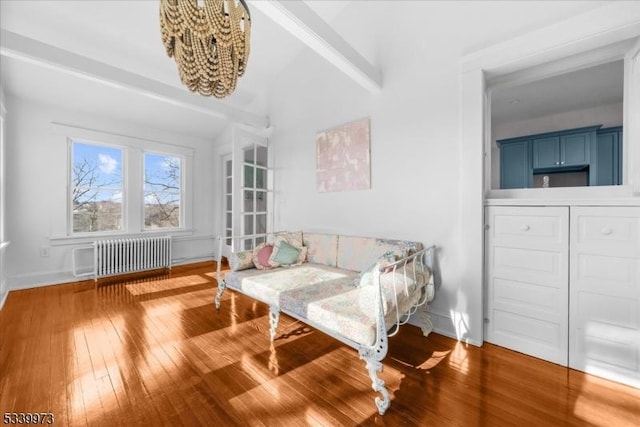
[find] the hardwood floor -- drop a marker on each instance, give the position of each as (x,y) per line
(154,351)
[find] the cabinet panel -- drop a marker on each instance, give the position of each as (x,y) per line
(608,157)
(575,149)
(605,292)
(527,279)
(546,152)
(515,171)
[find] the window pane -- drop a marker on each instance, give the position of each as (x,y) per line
(261,224)
(249,154)
(248,224)
(228,223)
(229,168)
(162,191)
(99,210)
(96,188)
(228,207)
(161,210)
(260,240)
(229,186)
(248,201)
(248,176)
(261,201)
(248,244)
(261,156)
(261,178)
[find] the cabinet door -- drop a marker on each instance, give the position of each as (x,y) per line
(575,149)
(546,152)
(514,165)
(605,292)
(607,158)
(527,280)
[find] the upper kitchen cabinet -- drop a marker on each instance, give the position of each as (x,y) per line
(609,156)
(565,149)
(572,157)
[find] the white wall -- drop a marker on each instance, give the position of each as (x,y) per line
(36,155)
(3,275)
(414,147)
(605,115)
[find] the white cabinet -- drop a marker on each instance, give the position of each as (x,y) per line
(563,284)
(527,257)
(605,292)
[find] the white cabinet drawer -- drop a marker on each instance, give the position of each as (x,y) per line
(607,230)
(528,227)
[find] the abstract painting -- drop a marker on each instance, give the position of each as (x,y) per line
(343,161)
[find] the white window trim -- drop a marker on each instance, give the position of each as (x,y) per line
(135,146)
(123,219)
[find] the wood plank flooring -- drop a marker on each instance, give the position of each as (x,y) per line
(154,351)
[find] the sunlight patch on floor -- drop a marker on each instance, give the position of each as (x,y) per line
(183,301)
(151,286)
(594,401)
(435,359)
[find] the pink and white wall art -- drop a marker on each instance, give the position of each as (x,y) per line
(343,160)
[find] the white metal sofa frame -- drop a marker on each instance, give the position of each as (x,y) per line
(375,353)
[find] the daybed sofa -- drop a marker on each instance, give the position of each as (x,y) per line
(358,290)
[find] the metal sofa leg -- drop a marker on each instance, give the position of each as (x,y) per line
(221,287)
(274,315)
(374,366)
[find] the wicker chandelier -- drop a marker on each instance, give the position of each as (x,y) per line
(210,43)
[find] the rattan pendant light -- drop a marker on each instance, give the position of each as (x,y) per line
(209,40)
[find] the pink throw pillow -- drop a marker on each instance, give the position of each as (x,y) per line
(261,255)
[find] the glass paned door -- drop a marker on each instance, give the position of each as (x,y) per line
(255,188)
(227,202)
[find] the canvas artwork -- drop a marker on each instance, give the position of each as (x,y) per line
(343,161)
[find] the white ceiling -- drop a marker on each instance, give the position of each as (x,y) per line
(125,35)
(578,90)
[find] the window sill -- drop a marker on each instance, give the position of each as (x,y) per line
(88,239)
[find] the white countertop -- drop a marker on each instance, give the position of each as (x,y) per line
(619,195)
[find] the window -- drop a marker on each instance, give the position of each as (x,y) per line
(162,191)
(96,188)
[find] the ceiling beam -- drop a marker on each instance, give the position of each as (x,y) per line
(26,49)
(301,21)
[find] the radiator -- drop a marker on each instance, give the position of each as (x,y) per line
(119,256)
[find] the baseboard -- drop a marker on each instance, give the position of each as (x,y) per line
(3,298)
(444,325)
(28,281)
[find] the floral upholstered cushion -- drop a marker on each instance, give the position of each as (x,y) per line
(267,286)
(357,253)
(292,237)
(322,248)
(337,307)
(241,260)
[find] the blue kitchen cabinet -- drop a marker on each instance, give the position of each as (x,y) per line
(515,166)
(609,156)
(593,150)
(570,148)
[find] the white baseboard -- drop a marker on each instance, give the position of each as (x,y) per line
(444,325)
(3,298)
(28,281)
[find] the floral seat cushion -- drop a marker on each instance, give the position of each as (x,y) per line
(267,286)
(341,308)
